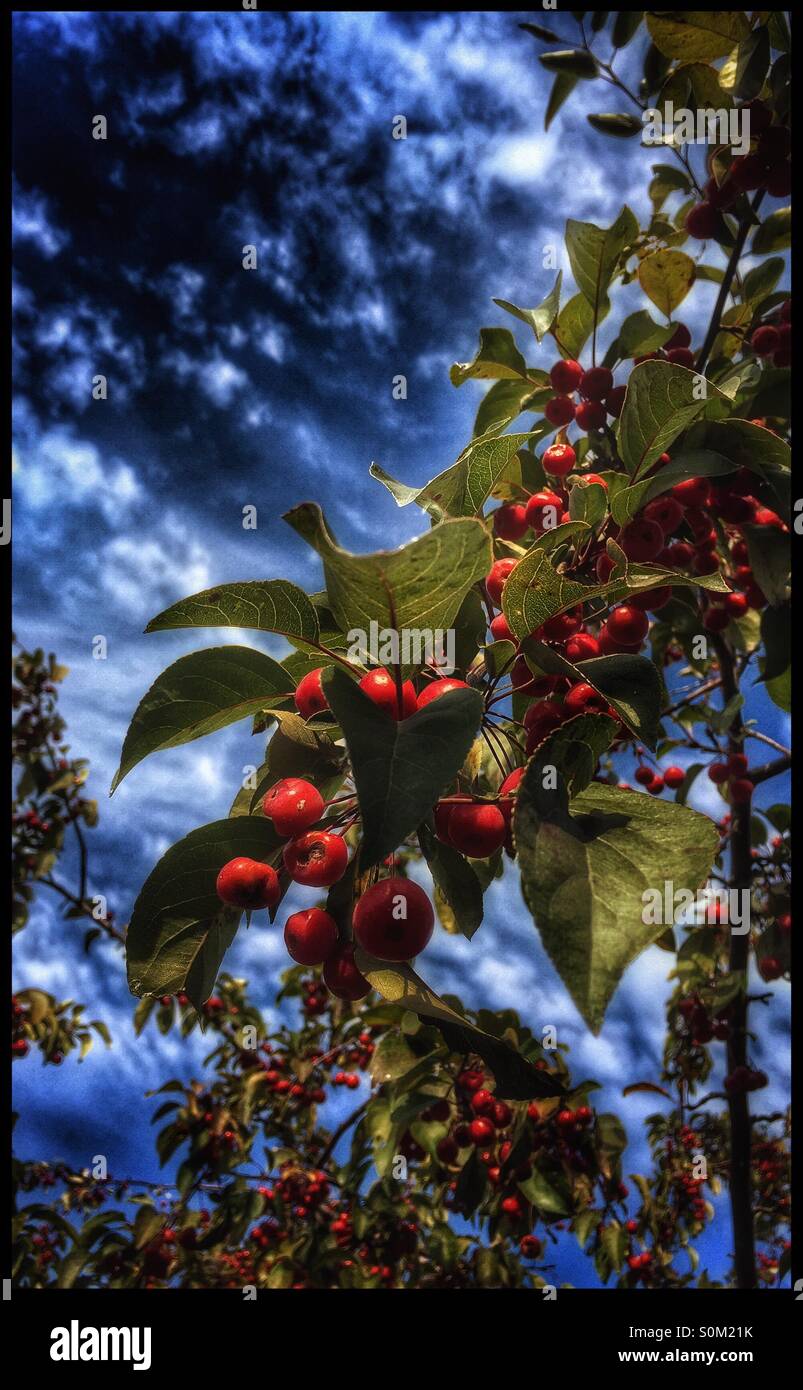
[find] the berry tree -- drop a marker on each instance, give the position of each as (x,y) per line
(614,576)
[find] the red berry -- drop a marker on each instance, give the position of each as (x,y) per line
(511,1206)
(718,773)
(292,805)
(770,968)
(565,376)
(544,511)
(562,626)
(510,521)
(765,341)
(477,829)
(681,357)
(501,630)
(502,1115)
(641,540)
(437,688)
(248,884)
(628,624)
(715,618)
(644,776)
(693,492)
(681,338)
(656,786)
(582,646)
(482,1131)
(702,221)
(596,383)
(741,790)
(447,1150)
(316,858)
(482,1102)
(496,579)
(380,687)
(530,1247)
(614,401)
(584,699)
(560,410)
(652,599)
(310,936)
(542,719)
(679,555)
(341,976)
(309,696)
(674,776)
(590,415)
(393,919)
(666,512)
(559,459)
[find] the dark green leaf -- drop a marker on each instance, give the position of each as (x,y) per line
(400,766)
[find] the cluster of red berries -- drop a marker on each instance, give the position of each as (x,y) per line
(702,1026)
(767,167)
(380,687)
(599,398)
(20,1047)
(773,337)
(734,773)
(743,1079)
(654,782)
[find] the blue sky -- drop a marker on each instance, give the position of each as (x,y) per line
(230,387)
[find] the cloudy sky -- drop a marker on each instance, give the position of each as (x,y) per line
(229,387)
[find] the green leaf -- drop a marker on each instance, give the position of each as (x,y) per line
(516,1078)
(464,487)
(770,559)
(776,635)
(617,123)
(630,683)
(499,407)
(416,589)
(576,323)
(694,464)
(774,234)
(199,694)
(149,1222)
(752,63)
(640,334)
(584,872)
(625,26)
(666,179)
(662,400)
(541,32)
(497,357)
(541,318)
(535,591)
(392,1058)
(272,605)
(666,278)
(570,62)
(562,88)
(574,751)
(594,254)
(179,929)
(757,448)
(697,35)
(400,766)
(455,879)
(544,1196)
